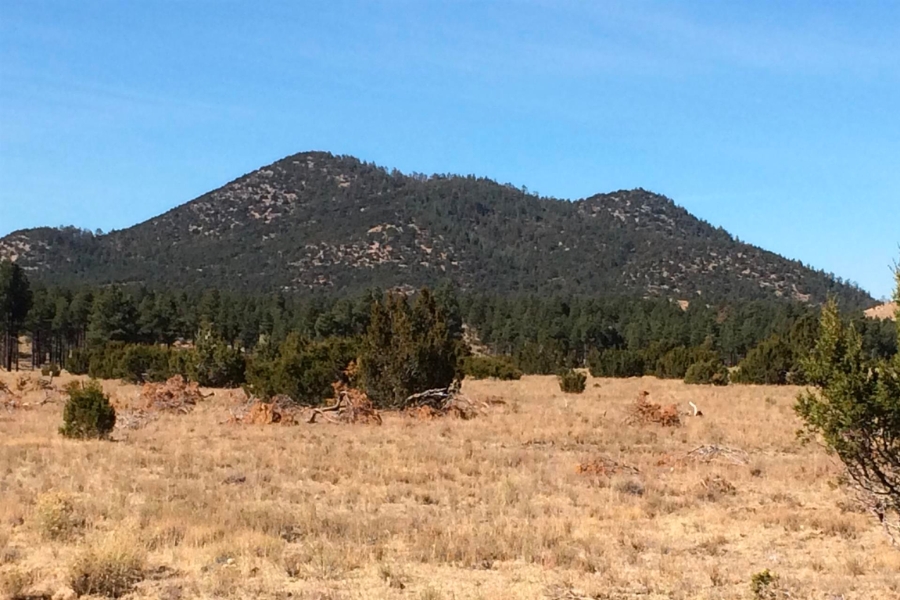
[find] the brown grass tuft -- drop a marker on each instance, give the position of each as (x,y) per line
(58,517)
(109,569)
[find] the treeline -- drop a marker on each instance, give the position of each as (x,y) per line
(766,340)
(226,339)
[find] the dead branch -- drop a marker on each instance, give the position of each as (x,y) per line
(710,452)
(441,402)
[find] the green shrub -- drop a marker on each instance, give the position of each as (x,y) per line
(181,363)
(764,585)
(491,367)
(134,363)
(616,362)
(675,363)
(771,363)
(299,368)
(408,350)
(707,372)
(104,361)
(78,362)
(139,364)
(216,364)
(212,363)
(88,413)
(572,381)
(51,370)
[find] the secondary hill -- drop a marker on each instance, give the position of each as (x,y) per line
(883,311)
(315,221)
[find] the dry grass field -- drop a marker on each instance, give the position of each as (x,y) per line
(494,507)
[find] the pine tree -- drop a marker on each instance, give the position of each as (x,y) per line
(855,409)
(15,302)
(113,317)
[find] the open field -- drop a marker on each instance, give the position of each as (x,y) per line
(492,507)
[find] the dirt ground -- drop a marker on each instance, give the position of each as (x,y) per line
(545,495)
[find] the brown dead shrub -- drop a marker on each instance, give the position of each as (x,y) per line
(715,487)
(175,395)
(645,412)
(281,410)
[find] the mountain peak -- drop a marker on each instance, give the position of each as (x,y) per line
(318,221)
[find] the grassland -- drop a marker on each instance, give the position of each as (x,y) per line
(493,507)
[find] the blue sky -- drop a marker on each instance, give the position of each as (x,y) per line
(776,120)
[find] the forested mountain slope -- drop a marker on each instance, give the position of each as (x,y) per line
(314,221)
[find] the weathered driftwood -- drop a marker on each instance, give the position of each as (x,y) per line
(436,398)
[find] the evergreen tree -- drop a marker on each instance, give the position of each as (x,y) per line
(113,317)
(15,302)
(854,407)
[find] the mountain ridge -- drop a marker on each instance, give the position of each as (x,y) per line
(314,221)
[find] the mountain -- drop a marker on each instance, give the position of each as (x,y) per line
(315,221)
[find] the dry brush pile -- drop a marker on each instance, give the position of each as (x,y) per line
(645,412)
(29,392)
(353,406)
(175,396)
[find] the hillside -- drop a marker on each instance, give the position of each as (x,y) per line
(314,221)
(883,311)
